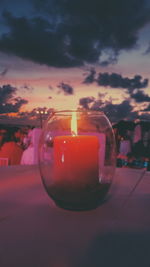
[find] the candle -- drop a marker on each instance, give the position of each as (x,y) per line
(76,159)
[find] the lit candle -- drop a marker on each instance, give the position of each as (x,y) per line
(76,159)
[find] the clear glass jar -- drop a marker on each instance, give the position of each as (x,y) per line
(77,158)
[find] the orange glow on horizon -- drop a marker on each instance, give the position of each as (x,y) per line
(12,114)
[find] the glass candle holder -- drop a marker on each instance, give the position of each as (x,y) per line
(77,158)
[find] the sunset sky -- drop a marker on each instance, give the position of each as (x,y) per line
(64,53)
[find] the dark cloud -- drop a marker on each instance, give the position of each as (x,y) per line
(66,88)
(115,112)
(102,95)
(50,87)
(71,33)
(109,57)
(90,78)
(15,107)
(119,111)
(8,102)
(140,97)
(4,72)
(6,92)
(145,116)
(36,39)
(85,101)
(147,50)
(115,80)
(27,87)
(98,105)
(147,108)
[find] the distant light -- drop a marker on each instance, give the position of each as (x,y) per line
(41,111)
(137,120)
(62,158)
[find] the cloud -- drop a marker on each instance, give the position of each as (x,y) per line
(115,112)
(4,72)
(145,116)
(85,101)
(27,87)
(6,93)
(35,39)
(50,87)
(90,78)
(147,108)
(115,80)
(72,33)
(147,50)
(140,97)
(8,102)
(66,88)
(119,111)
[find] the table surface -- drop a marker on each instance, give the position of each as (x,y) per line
(34,232)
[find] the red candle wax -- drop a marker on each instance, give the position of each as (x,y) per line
(76,161)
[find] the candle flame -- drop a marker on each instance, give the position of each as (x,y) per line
(74,124)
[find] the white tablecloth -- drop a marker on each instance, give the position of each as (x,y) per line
(33,232)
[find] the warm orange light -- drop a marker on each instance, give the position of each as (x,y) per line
(74,124)
(12,114)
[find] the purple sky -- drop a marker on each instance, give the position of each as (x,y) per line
(62,54)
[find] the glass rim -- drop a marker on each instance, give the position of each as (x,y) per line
(79,111)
